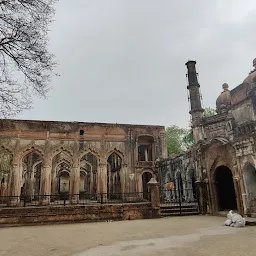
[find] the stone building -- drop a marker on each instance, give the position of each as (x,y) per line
(224,154)
(54,158)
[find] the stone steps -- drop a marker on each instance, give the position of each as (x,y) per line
(175,210)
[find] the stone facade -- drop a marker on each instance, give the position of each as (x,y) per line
(224,154)
(54,158)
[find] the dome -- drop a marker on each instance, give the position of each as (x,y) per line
(223,102)
(251,78)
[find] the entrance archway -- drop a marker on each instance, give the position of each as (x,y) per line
(225,189)
(146,176)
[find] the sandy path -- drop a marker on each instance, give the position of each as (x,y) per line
(185,236)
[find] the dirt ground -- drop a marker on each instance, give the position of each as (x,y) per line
(182,236)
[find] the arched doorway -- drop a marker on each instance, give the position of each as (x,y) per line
(146,176)
(225,189)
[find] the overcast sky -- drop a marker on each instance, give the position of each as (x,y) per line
(123,61)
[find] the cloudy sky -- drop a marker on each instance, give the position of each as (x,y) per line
(123,61)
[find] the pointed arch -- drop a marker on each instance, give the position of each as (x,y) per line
(93,152)
(33,149)
(117,152)
(59,150)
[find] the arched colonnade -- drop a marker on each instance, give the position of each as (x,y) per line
(36,175)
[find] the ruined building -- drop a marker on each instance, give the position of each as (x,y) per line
(222,161)
(56,158)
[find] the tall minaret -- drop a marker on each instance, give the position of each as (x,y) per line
(196,110)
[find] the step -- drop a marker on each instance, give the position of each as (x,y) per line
(178,214)
(178,206)
(178,210)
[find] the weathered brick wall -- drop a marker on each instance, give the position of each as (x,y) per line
(30,215)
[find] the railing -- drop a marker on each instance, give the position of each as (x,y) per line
(145,163)
(77,199)
(176,197)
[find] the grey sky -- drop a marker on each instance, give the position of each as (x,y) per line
(123,61)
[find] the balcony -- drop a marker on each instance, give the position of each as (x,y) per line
(143,164)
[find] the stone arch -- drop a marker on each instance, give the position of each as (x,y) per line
(118,152)
(86,177)
(114,174)
(61,161)
(33,149)
(30,172)
(93,152)
(148,170)
(63,182)
(225,188)
(93,159)
(63,165)
(58,150)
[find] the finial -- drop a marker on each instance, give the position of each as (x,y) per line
(225,86)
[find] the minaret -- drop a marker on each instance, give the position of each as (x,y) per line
(196,110)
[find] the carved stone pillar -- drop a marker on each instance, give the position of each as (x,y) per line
(75,182)
(102,180)
(14,183)
(45,183)
(53,185)
(123,173)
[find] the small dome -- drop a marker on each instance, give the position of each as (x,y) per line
(251,78)
(223,102)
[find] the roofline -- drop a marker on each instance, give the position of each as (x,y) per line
(82,123)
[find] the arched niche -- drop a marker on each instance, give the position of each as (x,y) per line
(114,166)
(60,161)
(5,170)
(249,173)
(31,174)
(89,162)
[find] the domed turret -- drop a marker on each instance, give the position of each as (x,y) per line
(223,102)
(251,78)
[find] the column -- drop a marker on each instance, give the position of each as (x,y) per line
(14,183)
(53,186)
(240,208)
(155,197)
(163,145)
(102,182)
(123,173)
(75,182)
(45,183)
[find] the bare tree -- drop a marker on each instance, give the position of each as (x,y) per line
(26,66)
